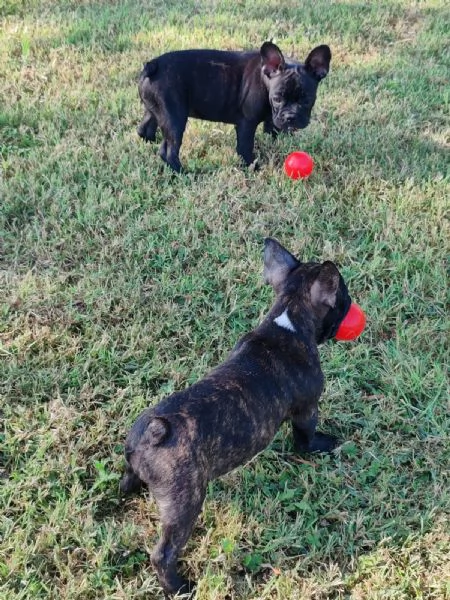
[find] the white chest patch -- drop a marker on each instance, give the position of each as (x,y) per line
(284,321)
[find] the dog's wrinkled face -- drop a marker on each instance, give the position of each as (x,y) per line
(293,87)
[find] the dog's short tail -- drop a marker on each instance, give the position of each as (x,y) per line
(150,68)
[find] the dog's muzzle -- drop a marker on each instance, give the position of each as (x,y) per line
(290,121)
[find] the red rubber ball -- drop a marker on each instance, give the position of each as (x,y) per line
(352,325)
(298,165)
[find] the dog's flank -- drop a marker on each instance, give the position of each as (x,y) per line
(241,88)
(272,375)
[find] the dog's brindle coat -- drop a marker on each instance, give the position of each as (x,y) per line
(221,422)
(241,88)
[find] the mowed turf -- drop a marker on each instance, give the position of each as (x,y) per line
(121,283)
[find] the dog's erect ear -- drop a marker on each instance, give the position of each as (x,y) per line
(272,59)
(325,286)
(278,262)
(318,62)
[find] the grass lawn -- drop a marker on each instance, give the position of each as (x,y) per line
(120,283)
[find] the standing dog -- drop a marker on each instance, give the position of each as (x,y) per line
(272,375)
(242,88)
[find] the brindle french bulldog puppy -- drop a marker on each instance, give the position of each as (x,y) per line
(272,375)
(242,88)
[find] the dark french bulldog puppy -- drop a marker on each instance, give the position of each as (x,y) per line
(272,375)
(242,88)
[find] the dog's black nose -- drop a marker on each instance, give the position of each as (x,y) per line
(295,122)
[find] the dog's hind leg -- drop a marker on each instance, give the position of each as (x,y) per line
(148,126)
(178,515)
(173,137)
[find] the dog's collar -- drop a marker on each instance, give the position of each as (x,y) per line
(284,321)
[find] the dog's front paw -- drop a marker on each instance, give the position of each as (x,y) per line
(321,442)
(254,165)
(179,588)
(187,589)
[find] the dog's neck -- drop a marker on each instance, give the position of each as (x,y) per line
(294,320)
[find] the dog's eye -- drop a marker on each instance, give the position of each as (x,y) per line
(277,100)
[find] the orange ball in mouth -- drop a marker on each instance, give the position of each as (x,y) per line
(353,324)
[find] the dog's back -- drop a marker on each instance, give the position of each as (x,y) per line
(213,94)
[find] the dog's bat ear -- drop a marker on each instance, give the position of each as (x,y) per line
(272,59)
(318,62)
(325,286)
(278,263)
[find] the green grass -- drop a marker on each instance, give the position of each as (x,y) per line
(120,283)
